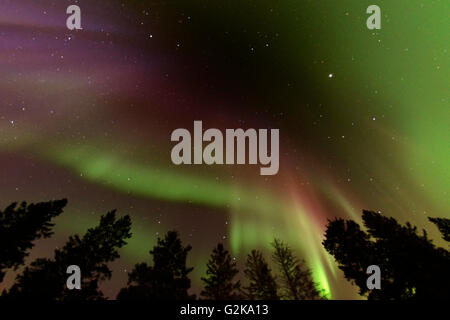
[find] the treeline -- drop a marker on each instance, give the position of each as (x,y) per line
(412,267)
(168,277)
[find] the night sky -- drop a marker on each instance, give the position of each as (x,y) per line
(363,116)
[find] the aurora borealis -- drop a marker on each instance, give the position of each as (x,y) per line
(363,118)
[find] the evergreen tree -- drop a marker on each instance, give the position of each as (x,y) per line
(220,273)
(20,226)
(443,225)
(45,279)
(262,284)
(167,279)
(297,283)
(411,266)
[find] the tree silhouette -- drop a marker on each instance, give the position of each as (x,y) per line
(297,283)
(220,272)
(167,279)
(411,266)
(443,225)
(262,284)
(20,226)
(46,278)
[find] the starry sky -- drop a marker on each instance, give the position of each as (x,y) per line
(363,116)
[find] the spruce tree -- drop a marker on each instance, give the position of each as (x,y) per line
(412,267)
(219,280)
(167,279)
(443,225)
(297,282)
(262,284)
(45,279)
(20,226)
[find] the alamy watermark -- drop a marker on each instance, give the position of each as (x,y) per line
(374,281)
(74,280)
(237,142)
(374,20)
(73,22)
